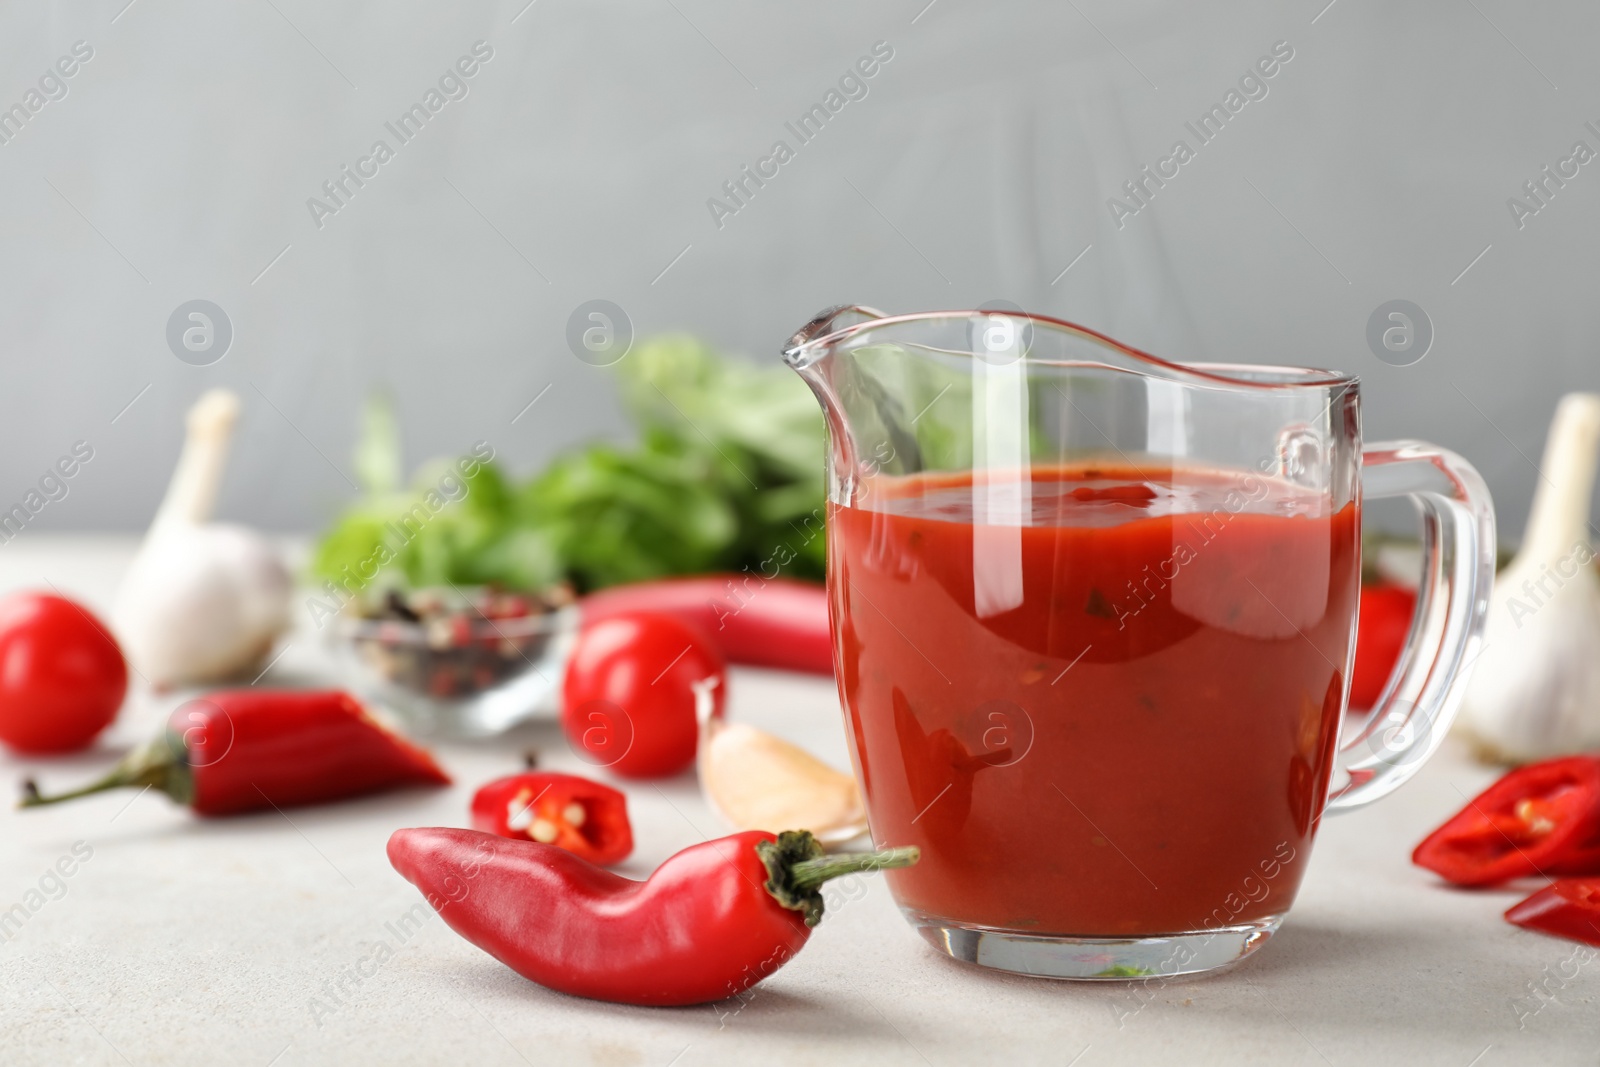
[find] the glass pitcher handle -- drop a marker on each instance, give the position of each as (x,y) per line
(1415,710)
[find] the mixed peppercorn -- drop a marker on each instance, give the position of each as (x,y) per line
(445,644)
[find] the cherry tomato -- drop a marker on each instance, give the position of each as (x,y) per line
(62,675)
(1380,637)
(633,686)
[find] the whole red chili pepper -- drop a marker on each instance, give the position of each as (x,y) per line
(585,818)
(246,749)
(765,622)
(711,922)
(1568,907)
(1543,818)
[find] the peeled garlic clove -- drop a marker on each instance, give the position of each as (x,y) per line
(756,781)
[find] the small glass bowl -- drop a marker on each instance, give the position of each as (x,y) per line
(459,676)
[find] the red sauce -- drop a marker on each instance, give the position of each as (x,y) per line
(1131,729)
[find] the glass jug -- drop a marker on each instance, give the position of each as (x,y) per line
(1094,616)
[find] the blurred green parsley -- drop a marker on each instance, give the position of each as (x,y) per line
(727,469)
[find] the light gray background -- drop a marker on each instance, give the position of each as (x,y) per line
(978,168)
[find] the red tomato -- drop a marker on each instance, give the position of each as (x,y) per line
(1380,637)
(62,675)
(630,694)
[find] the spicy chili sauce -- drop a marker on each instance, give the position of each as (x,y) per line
(1110,707)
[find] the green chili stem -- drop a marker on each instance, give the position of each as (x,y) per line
(796,866)
(808,874)
(157,763)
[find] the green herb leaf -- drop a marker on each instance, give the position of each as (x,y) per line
(377,453)
(726,474)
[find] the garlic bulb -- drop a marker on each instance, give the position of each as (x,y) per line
(201,602)
(1535,689)
(755,781)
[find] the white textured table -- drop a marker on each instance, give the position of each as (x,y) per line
(255,941)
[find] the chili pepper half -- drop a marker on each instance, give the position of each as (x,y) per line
(1543,818)
(1568,907)
(585,818)
(711,922)
(771,622)
(1384,623)
(247,749)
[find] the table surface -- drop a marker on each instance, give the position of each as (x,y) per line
(256,940)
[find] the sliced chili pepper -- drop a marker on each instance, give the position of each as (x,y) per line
(1543,818)
(1384,623)
(711,922)
(248,749)
(1568,907)
(765,622)
(585,818)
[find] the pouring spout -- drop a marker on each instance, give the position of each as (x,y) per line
(807,354)
(806,347)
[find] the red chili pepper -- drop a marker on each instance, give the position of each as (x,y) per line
(1543,818)
(246,749)
(585,818)
(776,622)
(1569,907)
(1381,632)
(711,922)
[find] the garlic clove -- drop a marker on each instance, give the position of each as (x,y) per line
(756,781)
(1535,687)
